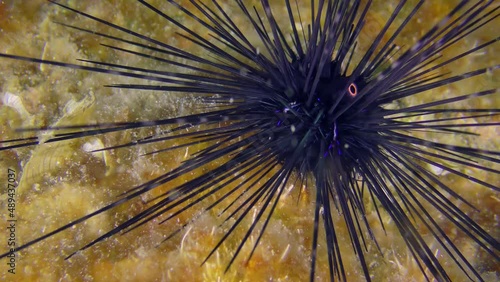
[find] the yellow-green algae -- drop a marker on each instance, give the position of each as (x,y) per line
(76,183)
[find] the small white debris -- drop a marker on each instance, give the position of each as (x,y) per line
(437,170)
(15,102)
(44,56)
(94,144)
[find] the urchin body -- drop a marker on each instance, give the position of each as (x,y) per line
(306,106)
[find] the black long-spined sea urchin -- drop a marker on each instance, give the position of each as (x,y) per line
(289,102)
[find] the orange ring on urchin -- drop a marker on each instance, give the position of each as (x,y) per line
(352,90)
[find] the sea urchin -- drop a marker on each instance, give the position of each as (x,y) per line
(297,103)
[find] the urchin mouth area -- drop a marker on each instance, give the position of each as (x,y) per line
(311,132)
(303,124)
